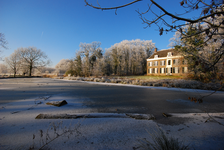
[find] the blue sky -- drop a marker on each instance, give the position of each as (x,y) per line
(58,26)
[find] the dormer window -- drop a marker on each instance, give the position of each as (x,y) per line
(169,54)
(156,56)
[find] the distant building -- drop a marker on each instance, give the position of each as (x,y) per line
(166,62)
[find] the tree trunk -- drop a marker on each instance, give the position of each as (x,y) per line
(30,73)
(14,73)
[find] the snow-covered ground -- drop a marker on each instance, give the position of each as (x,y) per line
(20,130)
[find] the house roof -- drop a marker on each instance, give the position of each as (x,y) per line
(163,53)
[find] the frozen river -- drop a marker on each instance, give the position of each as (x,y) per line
(112,98)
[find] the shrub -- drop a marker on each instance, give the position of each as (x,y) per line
(49,76)
(162,142)
(72,72)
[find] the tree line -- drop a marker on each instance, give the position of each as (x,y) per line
(124,58)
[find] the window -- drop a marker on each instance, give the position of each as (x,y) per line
(156,63)
(169,62)
(162,70)
(156,70)
(184,69)
(163,63)
(150,70)
(153,70)
(175,69)
(176,62)
(169,70)
(150,63)
(156,56)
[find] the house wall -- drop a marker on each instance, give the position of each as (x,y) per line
(174,65)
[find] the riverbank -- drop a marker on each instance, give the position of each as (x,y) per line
(170,83)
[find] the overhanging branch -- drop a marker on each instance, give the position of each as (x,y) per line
(117,7)
(185,19)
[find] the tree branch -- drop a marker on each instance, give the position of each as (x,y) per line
(117,7)
(185,19)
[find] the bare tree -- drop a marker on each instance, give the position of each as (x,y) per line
(14,61)
(3,69)
(33,58)
(3,42)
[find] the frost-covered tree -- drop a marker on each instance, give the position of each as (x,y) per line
(3,42)
(204,51)
(107,67)
(33,58)
(3,69)
(98,67)
(175,40)
(63,66)
(89,53)
(14,62)
(78,65)
(124,58)
(43,70)
(129,57)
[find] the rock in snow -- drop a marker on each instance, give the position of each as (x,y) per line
(57,103)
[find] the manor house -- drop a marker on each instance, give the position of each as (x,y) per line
(166,62)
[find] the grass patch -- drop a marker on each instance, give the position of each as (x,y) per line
(160,141)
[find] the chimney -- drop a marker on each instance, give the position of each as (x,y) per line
(155,50)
